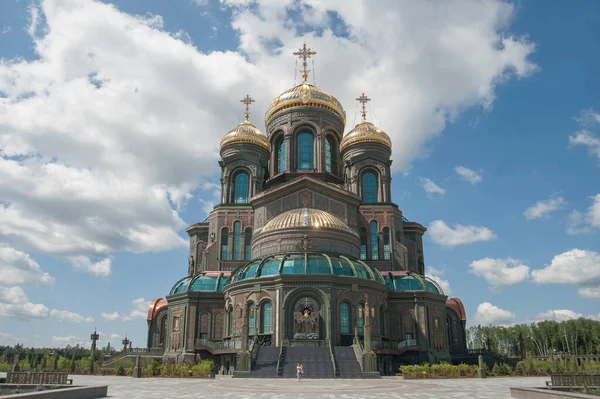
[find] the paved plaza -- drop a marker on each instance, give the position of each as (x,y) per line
(387,387)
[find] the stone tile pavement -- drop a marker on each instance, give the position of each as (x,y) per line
(385,388)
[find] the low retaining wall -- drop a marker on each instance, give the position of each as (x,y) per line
(544,393)
(67,392)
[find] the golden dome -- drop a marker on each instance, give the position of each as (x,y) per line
(305,95)
(365,132)
(246,132)
(306,217)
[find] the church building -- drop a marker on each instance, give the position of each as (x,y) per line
(306,258)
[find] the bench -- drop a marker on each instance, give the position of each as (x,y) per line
(37,377)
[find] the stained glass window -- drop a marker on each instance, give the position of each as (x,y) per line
(240,191)
(369,187)
(252,320)
(266,318)
(374,241)
(305,151)
(386,243)
(344,319)
(280,153)
(363,243)
(224,243)
(359,320)
(248,243)
(237,233)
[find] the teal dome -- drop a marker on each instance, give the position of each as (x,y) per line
(412,282)
(201,282)
(307,263)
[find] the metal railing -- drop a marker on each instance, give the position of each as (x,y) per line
(279,358)
(394,345)
(219,345)
(332,359)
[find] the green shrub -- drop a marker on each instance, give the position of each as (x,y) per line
(440,370)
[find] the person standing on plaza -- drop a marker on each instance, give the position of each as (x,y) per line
(298,372)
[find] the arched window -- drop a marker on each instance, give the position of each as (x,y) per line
(248,244)
(374,241)
(240,188)
(224,243)
(382,317)
(360,322)
(203,327)
(280,155)
(344,318)
(218,332)
(305,151)
(237,240)
(266,318)
(330,155)
(369,187)
(386,243)
(363,243)
(252,320)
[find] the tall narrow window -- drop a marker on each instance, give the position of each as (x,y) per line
(266,318)
(344,319)
(305,151)
(374,241)
(248,244)
(329,156)
(280,154)
(386,243)
(363,243)
(237,238)
(382,321)
(229,321)
(240,188)
(360,322)
(252,320)
(369,187)
(224,244)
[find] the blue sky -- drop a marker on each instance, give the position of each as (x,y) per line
(111,114)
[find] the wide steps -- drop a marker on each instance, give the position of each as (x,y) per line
(265,365)
(346,364)
(316,362)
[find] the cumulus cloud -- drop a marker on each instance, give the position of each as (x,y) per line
(69,340)
(448,236)
(139,311)
(557,315)
(584,137)
(431,188)
(438,277)
(469,175)
(14,303)
(500,273)
(543,208)
(577,267)
(584,222)
(17,268)
(83,126)
(8,339)
(490,314)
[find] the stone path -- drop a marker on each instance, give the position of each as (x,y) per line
(385,388)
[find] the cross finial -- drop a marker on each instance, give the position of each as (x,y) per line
(304,53)
(364,100)
(247,101)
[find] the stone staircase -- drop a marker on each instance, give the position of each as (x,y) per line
(265,365)
(316,362)
(346,364)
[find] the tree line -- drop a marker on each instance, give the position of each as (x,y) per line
(544,338)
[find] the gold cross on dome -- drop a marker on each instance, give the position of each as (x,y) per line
(304,53)
(364,100)
(247,101)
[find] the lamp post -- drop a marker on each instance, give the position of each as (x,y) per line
(125,343)
(94,337)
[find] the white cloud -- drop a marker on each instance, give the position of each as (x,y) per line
(17,268)
(490,314)
(577,267)
(438,276)
(500,273)
(431,188)
(101,268)
(64,315)
(543,208)
(8,339)
(5,29)
(580,222)
(585,137)
(557,315)
(139,311)
(448,236)
(70,340)
(469,175)
(117,123)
